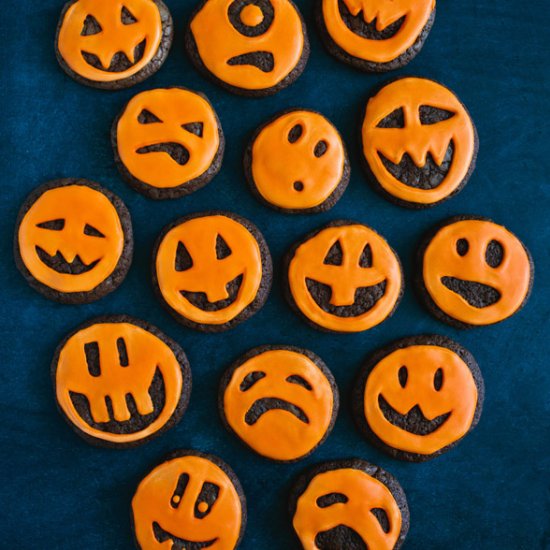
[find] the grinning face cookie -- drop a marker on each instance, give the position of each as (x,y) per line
(193,501)
(252,47)
(113,43)
(282,402)
(120,381)
(297,162)
(212,270)
(168,142)
(475,272)
(344,278)
(419,142)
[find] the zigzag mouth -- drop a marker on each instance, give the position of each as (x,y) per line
(414,421)
(478,295)
(61,265)
(119,61)
(264,61)
(199,299)
(430,176)
(265,404)
(177,542)
(358,25)
(177,151)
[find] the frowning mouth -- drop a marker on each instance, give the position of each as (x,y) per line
(358,25)
(261,406)
(177,542)
(176,151)
(200,300)
(61,265)
(478,295)
(264,61)
(119,61)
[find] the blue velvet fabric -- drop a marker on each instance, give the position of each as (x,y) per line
(492,491)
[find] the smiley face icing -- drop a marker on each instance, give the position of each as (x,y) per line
(474,272)
(113,44)
(73,241)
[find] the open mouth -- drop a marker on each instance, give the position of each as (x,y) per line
(177,151)
(366,298)
(477,295)
(178,543)
(358,25)
(261,406)
(340,536)
(119,61)
(199,299)
(61,265)
(264,61)
(430,176)
(414,421)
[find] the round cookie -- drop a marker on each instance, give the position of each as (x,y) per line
(212,270)
(73,241)
(349,504)
(473,272)
(375,35)
(297,163)
(249,47)
(120,381)
(113,44)
(281,401)
(419,142)
(343,277)
(418,397)
(191,500)
(168,142)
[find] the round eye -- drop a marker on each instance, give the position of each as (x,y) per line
(494,254)
(403,375)
(462,247)
(295,133)
(320,148)
(438,379)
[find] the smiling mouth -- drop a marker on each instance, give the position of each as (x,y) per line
(430,176)
(366,298)
(119,61)
(199,299)
(477,295)
(61,265)
(414,421)
(264,61)
(177,151)
(265,404)
(178,543)
(358,25)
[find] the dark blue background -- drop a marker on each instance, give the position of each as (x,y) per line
(490,492)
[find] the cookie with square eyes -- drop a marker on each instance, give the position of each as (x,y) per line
(113,44)
(281,401)
(297,163)
(192,500)
(349,504)
(473,272)
(168,142)
(73,241)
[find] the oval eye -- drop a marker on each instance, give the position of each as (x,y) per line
(331,498)
(126,17)
(396,119)
(91,231)
(250,379)
(335,256)
(177,495)
(295,133)
(494,254)
(91,26)
(403,376)
(462,247)
(438,379)
(206,499)
(122,352)
(432,115)
(91,351)
(320,149)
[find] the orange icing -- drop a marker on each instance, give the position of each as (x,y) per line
(279,434)
(457,396)
(511,278)
(386,12)
(416,139)
(146,353)
(114,36)
(218,41)
(252,15)
(363,492)
(277,163)
(175,108)
(153,502)
(208,274)
(78,205)
(345,279)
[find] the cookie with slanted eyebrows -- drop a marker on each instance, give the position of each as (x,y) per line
(113,44)
(473,272)
(418,397)
(168,142)
(280,400)
(349,504)
(419,142)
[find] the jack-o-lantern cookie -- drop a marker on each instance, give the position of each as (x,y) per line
(281,401)
(212,270)
(375,35)
(418,397)
(168,142)
(120,381)
(297,163)
(419,142)
(73,241)
(249,47)
(473,272)
(192,500)
(113,44)
(344,277)
(349,504)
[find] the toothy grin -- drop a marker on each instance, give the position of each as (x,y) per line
(61,265)
(200,300)
(119,61)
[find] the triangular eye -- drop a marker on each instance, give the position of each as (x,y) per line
(194,128)
(396,119)
(433,115)
(335,255)
(366,257)
(91,26)
(91,231)
(126,17)
(147,117)
(53,225)
(183,258)
(295,132)
(222,248)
